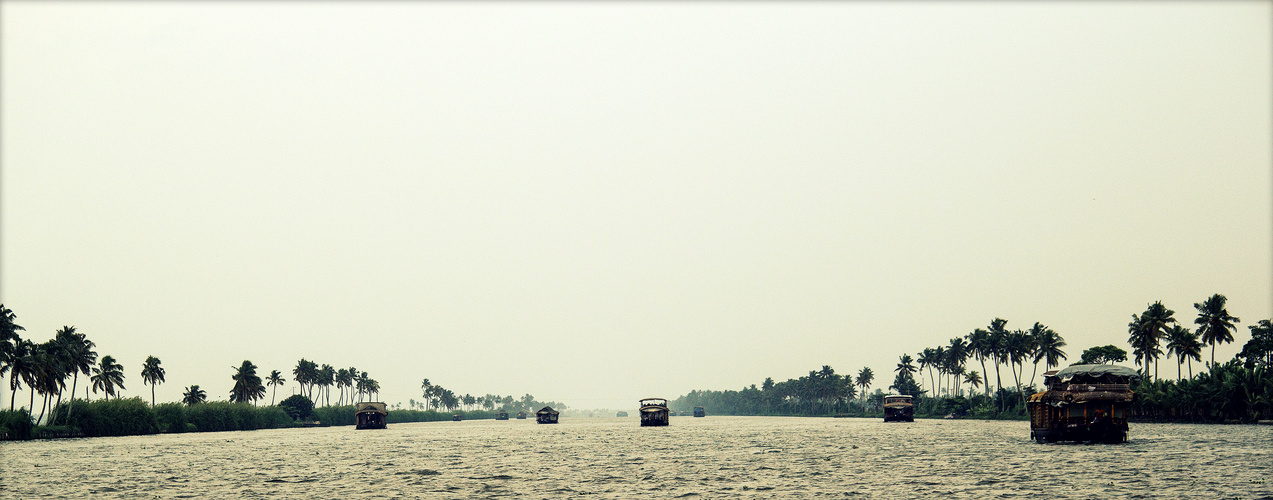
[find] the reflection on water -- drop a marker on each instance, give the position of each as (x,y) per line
(750,457)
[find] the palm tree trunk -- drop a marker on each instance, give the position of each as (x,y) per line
(152,394)
(44,405)
(71,404)
(53,417)
(1013,366)
(998,380)
(984,373)
(1190,361)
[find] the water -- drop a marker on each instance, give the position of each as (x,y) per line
(713,457)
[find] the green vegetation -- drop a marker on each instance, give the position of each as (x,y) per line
(298,407)
(1238,391)
(15,424)
(1231,392)
(1103,354)
(113,417)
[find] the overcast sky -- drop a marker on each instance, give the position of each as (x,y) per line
(594,203)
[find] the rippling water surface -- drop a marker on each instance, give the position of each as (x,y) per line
(713,457)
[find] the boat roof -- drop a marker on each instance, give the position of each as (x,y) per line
(653,399)
(1096,371)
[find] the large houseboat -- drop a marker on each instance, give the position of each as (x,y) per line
(546,415)
(699,411)
(1083,403)
(899,408)
(371,415)
(654,412)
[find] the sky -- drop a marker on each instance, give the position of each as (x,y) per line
(596,203)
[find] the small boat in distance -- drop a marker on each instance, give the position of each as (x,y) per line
(546,415)
(456,417)
(654,412)
(699,411)
(899,408)
(503,415)
(521,415)
(371,415)
(621,414)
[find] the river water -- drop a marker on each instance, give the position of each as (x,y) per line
(713,457)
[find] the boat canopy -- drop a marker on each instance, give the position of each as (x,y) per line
(1097,374)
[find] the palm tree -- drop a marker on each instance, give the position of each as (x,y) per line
(305,374)
(21,367)
(1214,323)
(1047,347)
(82,359)
(194,395)
(905,364)
(247,385)
(1016,348)
(344,380)
(956,354)
(998,341)
(957,372)
(981,348)
(363,387)
(275,379)
(1185,346)
(108,375)
(926,359)
(939,362)
(973,379)
(1147,330)
(865,377)
(9,341)
(152,373)
(325,378)
(49,374)
(427,389)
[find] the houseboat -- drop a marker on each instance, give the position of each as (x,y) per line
(371,415)
(546,415)
(621,414)
(699,411)
(503,415)
(654,412)
(1083,403)
(456,417)
(521,415)
(899,408)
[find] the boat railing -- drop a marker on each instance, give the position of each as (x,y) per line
(1094,387)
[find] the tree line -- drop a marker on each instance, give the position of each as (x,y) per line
(1245,382)
(46,368)
(437,397)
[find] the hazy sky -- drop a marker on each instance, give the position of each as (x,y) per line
(594,203)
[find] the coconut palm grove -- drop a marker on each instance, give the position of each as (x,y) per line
(986,373)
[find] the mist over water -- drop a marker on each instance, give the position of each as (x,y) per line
(713,457)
